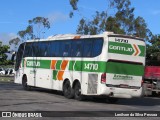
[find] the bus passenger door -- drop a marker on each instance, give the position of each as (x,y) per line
(30,63)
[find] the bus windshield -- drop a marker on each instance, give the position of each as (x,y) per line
(19,56)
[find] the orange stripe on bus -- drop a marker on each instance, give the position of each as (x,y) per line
(137,51)
(64,64)
(77,37)
(60,75)
(53,64)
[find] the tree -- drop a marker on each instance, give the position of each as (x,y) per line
(35,29)
(3,57)
(14,41)
(122,22)
(140,29)
(153,51)
(39,24)
(73,3)
(27,33)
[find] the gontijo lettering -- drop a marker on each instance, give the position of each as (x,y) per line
(33,63)
(121,48)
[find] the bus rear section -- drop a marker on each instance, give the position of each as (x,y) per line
(124,67)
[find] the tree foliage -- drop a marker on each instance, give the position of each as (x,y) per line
(27,33)
(73,3)
(14,41)
(38,25)
(153,51)
(122,22)
(35,29)
(3,57)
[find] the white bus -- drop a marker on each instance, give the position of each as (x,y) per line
(109,65)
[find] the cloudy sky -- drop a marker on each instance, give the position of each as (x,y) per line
(14,14)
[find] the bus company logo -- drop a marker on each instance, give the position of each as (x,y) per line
(33,63)
(125,48)
(121,48)
(122,77)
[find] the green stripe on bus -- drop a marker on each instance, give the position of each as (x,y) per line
(45,64)
(55,74)
(38,63)
(109,67)
(126,69)
(71,65)
(142,49)
(58,64)
(91,66)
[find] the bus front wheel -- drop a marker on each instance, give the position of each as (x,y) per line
(67,90)
(24,83)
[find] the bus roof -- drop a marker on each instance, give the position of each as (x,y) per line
(78,36)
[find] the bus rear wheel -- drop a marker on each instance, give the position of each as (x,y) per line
(24,83)
(67,90)
(77,92)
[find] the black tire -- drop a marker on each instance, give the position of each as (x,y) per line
(77,92)
(67,90)
(112,100)
(154,94)
(24,84)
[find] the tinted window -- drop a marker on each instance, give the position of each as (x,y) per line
(28,50)
(87,48)
(97,47)
(65,50)
(77,48)
(54,49)
(43,51)
(90,47)
(36,49)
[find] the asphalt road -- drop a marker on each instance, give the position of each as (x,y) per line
(14,98)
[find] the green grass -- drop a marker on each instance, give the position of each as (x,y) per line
(6,78)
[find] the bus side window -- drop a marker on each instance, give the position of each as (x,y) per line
(65,48)
(47,46)
(48,49)
(43,49)
(34,49)
(77,48)
(54,49)
(28,50)
(38,49)
(97,47)
(87,48)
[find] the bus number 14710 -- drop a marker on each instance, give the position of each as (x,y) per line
(90,66)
